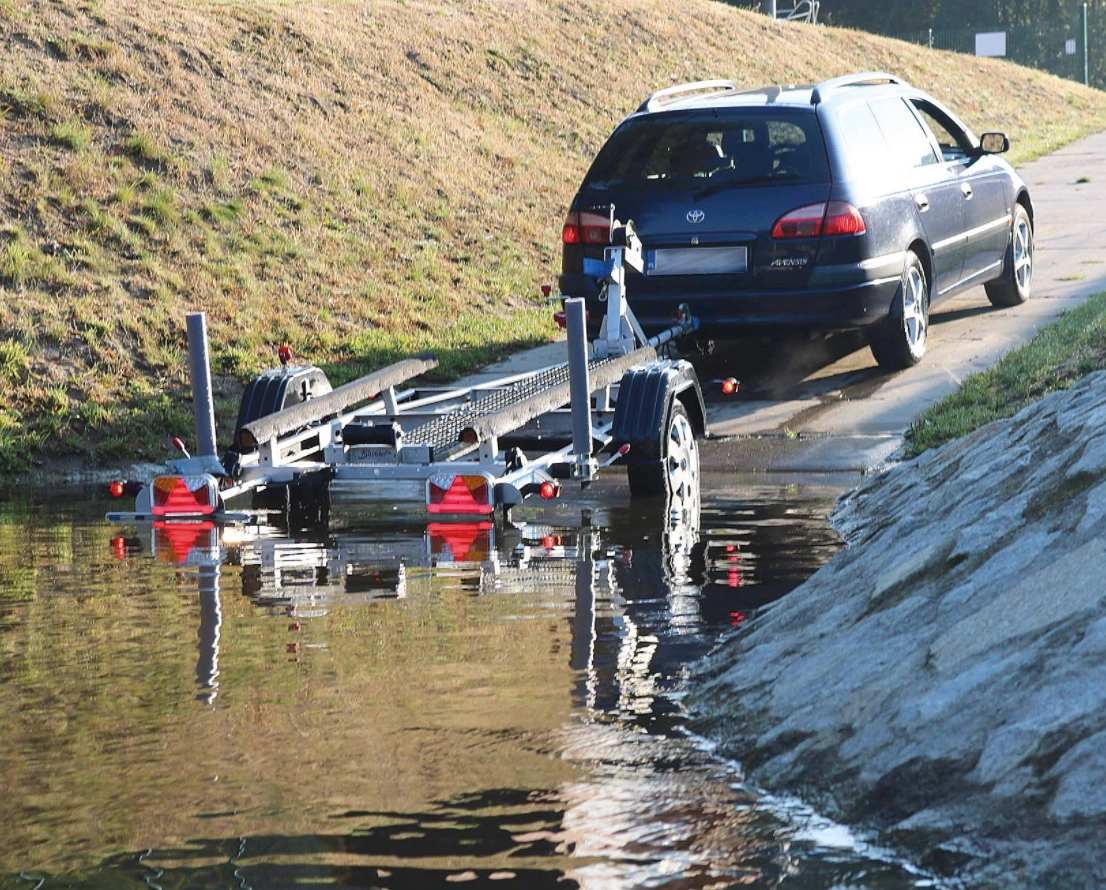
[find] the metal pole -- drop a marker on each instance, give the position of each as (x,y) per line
(770,7)
(203,402)
(931,38)
(1086,50)
(579,384)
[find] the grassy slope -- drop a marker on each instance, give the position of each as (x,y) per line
(1058,357)
(357,179)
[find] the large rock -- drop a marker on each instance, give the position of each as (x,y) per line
(943,680)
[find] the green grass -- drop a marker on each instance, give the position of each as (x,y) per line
(14,360)
(71,134)
(1057,358)
(302,180)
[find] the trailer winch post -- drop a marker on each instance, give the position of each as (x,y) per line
(203,402)
(579,387)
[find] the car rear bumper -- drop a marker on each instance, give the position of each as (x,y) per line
(836,299)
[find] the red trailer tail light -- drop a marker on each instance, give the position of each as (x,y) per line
(459,494)
(584,227)
(119,488)
(196,495)
(561,318)
(815,220)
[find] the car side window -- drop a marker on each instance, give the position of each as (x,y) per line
(954,142)
(910,145)
(864,143)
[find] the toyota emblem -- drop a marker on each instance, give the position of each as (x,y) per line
(695,216)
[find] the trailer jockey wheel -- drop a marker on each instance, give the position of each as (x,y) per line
(674,475)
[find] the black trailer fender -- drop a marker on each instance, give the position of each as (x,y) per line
(645,398)
(273,391)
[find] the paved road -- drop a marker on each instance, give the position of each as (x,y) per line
(826,407)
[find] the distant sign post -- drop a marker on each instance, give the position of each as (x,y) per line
(992,43)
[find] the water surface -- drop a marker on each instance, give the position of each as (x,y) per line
(387,704)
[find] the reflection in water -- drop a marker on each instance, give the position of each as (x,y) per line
(388,705)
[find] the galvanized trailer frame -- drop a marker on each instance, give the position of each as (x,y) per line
(611,399)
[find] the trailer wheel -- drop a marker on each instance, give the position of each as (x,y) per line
(675,473)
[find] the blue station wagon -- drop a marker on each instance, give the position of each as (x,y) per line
(855,204)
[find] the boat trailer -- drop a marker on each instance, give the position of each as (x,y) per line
(473,449)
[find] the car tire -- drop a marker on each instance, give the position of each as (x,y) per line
(1013,286)
(674,473)
(901,342)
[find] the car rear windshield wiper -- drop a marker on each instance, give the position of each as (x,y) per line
(715,187)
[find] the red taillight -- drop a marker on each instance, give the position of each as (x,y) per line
(561,318)
(843,219)
(120,489)
(730,386)
(586,228)
(815,220)
(804,222)
(549,490)
(446,493)
(184,495)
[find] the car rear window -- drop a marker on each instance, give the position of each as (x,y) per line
(699,149)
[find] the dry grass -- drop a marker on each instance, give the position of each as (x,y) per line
(359,180)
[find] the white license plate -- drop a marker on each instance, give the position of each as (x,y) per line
(697,261)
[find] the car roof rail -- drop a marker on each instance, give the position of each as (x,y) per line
(827,87)
(699,86)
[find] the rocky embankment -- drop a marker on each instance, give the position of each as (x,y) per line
(943,680)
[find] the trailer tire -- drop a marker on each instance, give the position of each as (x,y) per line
(674,474)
